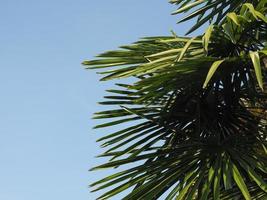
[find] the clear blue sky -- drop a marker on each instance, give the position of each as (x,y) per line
(47,99)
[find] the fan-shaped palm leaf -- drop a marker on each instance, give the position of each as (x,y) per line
(196,110)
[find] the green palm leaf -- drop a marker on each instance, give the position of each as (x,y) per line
(193,115)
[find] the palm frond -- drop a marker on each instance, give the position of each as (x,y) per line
(196,109)
(207,11)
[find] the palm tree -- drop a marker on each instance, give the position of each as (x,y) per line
(196,110)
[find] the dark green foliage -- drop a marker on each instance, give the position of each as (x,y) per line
(196,111)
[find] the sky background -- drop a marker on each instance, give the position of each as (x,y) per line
(47,98)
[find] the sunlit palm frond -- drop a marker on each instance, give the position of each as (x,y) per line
(212,10)
(196,112)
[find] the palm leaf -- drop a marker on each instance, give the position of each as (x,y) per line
(177,138)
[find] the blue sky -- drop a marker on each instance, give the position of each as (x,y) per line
(47,98)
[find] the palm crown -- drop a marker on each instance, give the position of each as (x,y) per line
(196,109)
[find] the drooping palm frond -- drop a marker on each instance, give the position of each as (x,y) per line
(196,113)
(189,171)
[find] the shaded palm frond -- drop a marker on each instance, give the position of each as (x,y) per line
(196,110)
